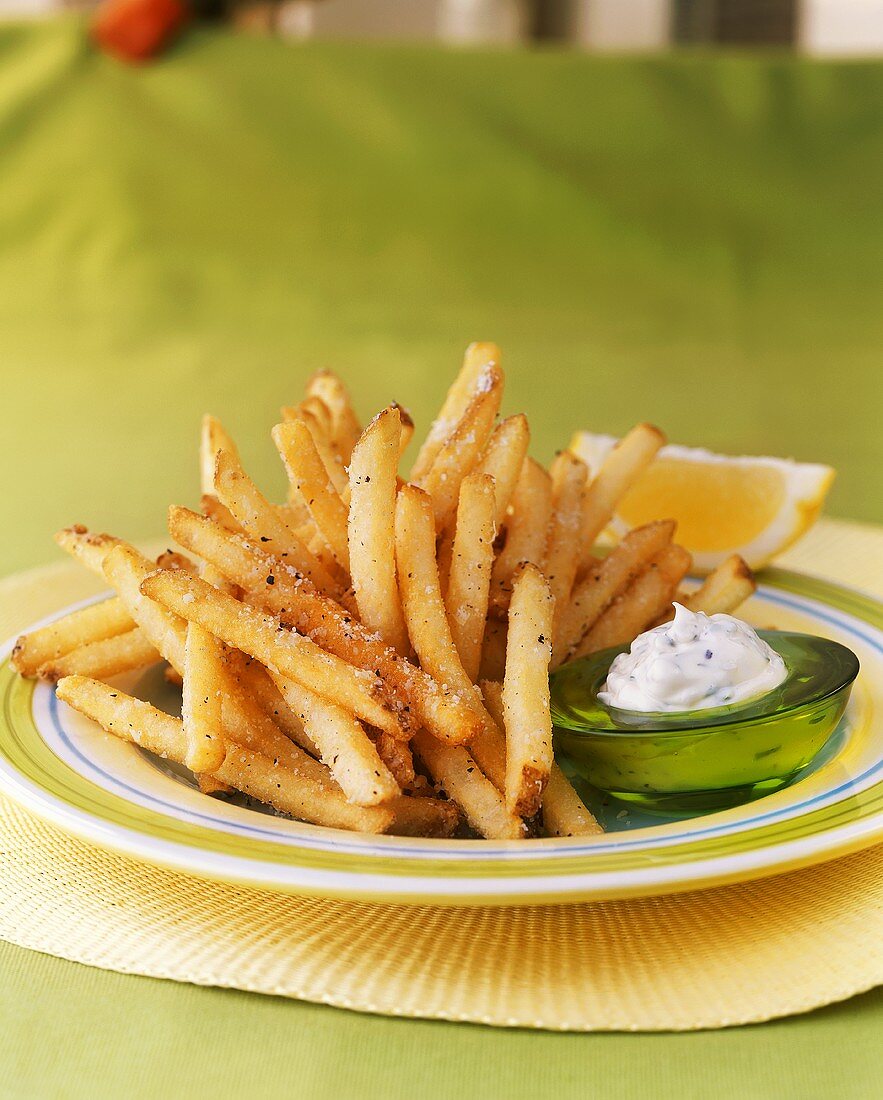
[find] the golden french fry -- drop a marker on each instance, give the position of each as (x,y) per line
(213,439)
(171,559)
(724,589)
(432,817)
(220,513)
(371,528)
(125,569)
(526,692)
(564,812)
(463,448)
(619,471)
(80,628)
(503,459)
(278,784)
(88,547)
(283,651)
(479,358)
(254,514)
(259,697)
(209,785)
(407,426)
(103,658)
(469,579)
(308,474)
(328,624)
(493,653)
(457,773)
(604,582)
(526,528)
(202,700)
(563,546)
(645,599)
(396,755)
(345,429)
(344,746)
(331,460)
(422,602)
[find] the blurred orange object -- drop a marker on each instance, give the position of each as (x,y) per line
(136,30)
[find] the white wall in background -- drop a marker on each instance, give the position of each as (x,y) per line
(624,24)
(841,27)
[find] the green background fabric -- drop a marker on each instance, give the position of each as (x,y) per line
(692,240)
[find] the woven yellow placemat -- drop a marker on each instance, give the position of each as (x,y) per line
(711,958)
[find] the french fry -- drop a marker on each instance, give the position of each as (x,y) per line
(563,545)
(422,602)
(326,622)
(331,460)
(528,723)
(344,746)
(407,427)
(260,697)
(220,513)
(396,755)
(287,653)
(125,569)
(503,459)
(724,589)
(431,817)
(466,598)
(308,474)
(479,358)
(493,653)
(645,599)
(526,528)
(457,773)
(371,528)
(271,781)
(202,700)
(213,440)
(88,547)
(103,658)
(80,628)
(463,448)
(346,429)
(564,812)
(604,582)
(171,559)
(254,514)
(619,471)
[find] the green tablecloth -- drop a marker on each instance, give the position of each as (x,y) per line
(695,241)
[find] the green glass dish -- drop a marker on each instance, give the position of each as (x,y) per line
(705,760)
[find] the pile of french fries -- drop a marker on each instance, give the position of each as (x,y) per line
(374,654)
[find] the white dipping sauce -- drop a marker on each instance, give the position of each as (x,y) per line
(694,662)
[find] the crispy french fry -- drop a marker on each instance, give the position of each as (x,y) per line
(253,512)
(213,439)
(80,628)
(331,460)
(479,358)
(209,785)
(493,653)
(641,603)
(604,582)
(526,530)
(463,448)
(526,692)
(457,773)
(88,547)
(283,651)
(724,589)
(397,756)
(103,658)
(619,471)
(345,430)
(563,546)
(432,817)
(344,746)
(424,609)
(371,528)
(171,559)
(328,624)
(202,700)
(407,427)
(220,513)
(256,686)
(125,569)
(269,780)
(466,598)
(564,812)
(308,473)
(503,459)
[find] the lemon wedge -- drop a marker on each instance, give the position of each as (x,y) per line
(752,506)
